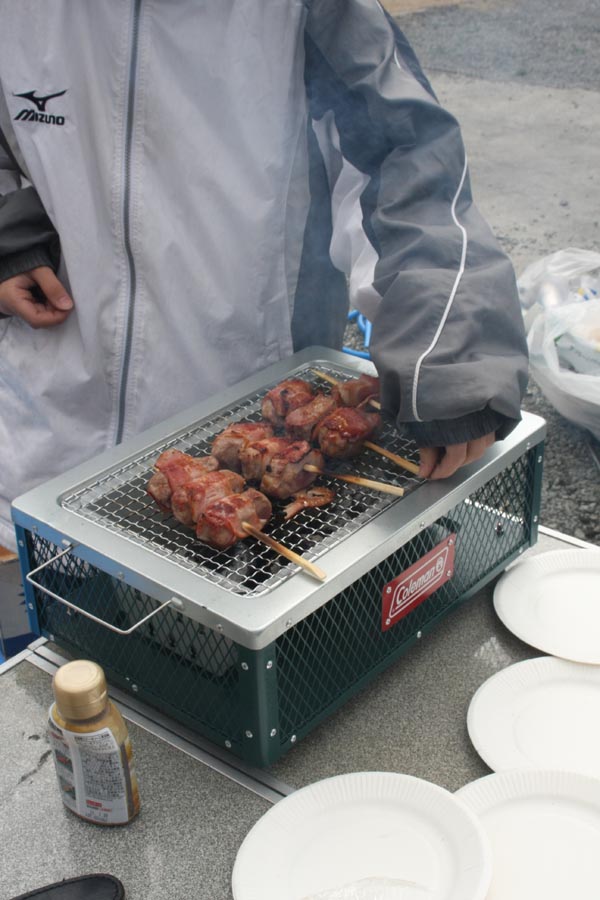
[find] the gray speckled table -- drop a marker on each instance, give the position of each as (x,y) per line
(412,719)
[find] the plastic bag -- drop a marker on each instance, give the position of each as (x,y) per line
(560,296)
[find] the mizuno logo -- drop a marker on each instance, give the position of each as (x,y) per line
(40,102)
(30,115)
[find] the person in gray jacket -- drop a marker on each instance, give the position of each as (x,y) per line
(190,191)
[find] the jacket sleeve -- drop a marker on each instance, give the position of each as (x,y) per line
(27,236)
(447,339)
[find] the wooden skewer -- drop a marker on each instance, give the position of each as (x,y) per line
(358,479)
(333,380)
(285,551)
(399,460)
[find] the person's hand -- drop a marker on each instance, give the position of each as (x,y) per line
(37,297)
(441,462)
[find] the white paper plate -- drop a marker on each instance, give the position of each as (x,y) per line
(544,828)
(542,713)
(552,602)
(365,835)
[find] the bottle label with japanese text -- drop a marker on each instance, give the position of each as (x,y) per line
(94,773)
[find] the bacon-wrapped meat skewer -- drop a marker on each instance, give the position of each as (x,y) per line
(174,469)
(285,397)
(342,434)
(356,391)
(222,524)
(287,472)
(301,422)
(227,445)
(189,500)
(256,456)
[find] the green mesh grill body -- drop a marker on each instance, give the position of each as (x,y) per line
(260,703)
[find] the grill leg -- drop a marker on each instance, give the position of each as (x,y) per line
(259,702)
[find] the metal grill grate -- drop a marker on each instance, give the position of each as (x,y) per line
(118,502)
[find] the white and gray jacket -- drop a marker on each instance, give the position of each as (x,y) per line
(208,177)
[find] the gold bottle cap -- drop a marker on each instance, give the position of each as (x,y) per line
(80,689)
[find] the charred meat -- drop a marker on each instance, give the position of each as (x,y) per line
(222,523)
(356,391)
(286,473)
(285,397)
(174,469)
(227,445)
(301,422)
(256,456)
(189,500)
(343,432)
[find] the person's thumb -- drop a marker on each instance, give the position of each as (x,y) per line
(52,289)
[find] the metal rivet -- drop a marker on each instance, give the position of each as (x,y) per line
(249,734)
(387,621)
(449,573)
(421,524)
(21,543)
(419,634)
(245,666)
(528,445)
(134,688)
(219,627)
(539,459)
(120,576)
(451,542)
(30,605)
(273,732)
(388,590)
(228,744)
(270,664)
(535,518)
(289,623)
(293,739)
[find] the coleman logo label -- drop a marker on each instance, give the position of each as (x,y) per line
(405,592)
(39,114)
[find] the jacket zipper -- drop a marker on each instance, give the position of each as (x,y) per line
(127,222)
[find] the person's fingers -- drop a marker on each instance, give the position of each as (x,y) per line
(428,457)
(476,448)
(453,458)
(22,297)
(52,289)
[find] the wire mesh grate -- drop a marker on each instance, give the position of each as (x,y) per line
(118,501)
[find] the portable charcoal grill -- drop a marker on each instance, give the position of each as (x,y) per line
(243,646)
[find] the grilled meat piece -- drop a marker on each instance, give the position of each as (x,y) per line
(189,500)
(285,475)
(255,457)
(285,397)
(301,422)
(226,446)
(174,469)
(221,524)
(356,391)
(343,432)
(311,497)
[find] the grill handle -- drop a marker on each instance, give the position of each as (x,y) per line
(172,602)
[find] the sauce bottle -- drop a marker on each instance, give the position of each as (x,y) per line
(91,747)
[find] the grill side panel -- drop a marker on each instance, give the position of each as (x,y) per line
(259,703)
